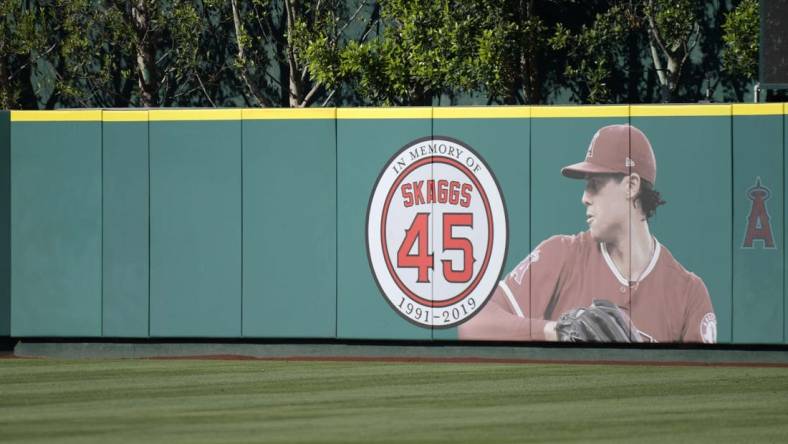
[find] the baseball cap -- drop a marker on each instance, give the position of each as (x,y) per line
(616,149)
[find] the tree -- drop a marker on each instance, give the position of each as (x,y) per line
(510,54)
(280,43)
(628,47)
(24,44)
(171,51)
(415,58)
(294,53)
(673,32)
(596,54)
(93,61)
(100,53)
(426,50)
(741,31)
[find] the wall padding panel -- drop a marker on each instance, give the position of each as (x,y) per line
(56,228)
(195,227)
(364,147)
(289,228)
(125,236)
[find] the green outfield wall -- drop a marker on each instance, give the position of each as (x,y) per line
(380,223)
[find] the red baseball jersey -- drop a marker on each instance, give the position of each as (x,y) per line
(667,304)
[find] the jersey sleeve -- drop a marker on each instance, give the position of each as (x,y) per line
(516,310)
(700,321)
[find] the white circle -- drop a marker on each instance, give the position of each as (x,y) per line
(436,232)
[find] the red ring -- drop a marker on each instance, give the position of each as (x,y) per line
(408,292)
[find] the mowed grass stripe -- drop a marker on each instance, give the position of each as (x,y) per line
(275,401)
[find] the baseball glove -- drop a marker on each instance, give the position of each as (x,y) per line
(603,321)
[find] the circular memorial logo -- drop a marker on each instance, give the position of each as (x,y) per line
(436,232)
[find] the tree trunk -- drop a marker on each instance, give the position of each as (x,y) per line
(295,86)
(253,90)
(531,82)
(281,56)
(147,73)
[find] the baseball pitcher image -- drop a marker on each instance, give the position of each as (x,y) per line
(613,282)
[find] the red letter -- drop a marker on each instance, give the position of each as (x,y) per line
(443,191)
(454,192)
(417,192)
(430,191)
(407,195)
(466,195)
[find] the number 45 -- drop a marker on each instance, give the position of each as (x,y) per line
(423,261)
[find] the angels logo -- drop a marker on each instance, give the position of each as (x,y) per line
(436,232)
(758,225)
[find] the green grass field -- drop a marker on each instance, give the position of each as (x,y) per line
(274,401)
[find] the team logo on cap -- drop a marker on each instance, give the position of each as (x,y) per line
(436,232)
(590,152)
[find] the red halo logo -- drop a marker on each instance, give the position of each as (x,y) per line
(436,232)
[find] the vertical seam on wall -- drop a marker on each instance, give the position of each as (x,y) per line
(432,220)
(242,225)
(629,210)
(782,191)
(336,225)
(150,194)
(530,218)
(733,234)
(10,230)
(101,242)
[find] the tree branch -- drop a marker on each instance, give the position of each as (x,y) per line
(374,19)
(261,100)
(328,99)
(308,98)
(31,61)
(663,80)
(652,26)
(207,96)
(351,19)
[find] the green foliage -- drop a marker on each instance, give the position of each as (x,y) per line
(25,40)
(94,55)
(317,41)
(101,53)
(741,34)
(675,20)
(508,52)
(673,31)
(595,53)
(428,49)
(423,51)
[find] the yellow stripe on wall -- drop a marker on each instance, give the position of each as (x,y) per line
(385,113)
(288,113)
(87,115)
(158,115)
(469,112)
(679,110)
(481,112)
(124,116)
(757,109)
(580,111)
